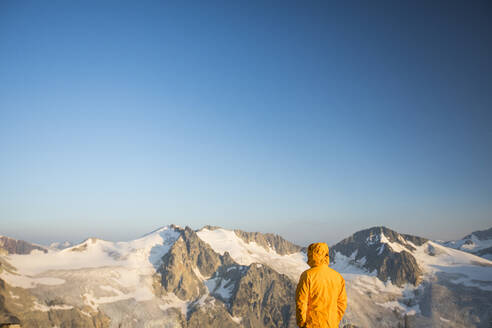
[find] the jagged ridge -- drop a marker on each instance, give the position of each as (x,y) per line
(14,246)
(371,248)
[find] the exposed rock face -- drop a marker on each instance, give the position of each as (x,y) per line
(212,317)
(83,246)
(266,240)
(14,246)
(393,237)
(64,319)
(259,297)
(188,259)
(5,315)
(195,286)
(47,315)
(372,249)
(220,290)
(399,267)
(264,298)
(269,240)
(486,252)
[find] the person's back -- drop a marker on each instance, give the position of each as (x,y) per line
(320,296)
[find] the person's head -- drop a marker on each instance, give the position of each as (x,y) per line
(318,254)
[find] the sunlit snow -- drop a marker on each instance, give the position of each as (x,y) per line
(222,241)
(126,267)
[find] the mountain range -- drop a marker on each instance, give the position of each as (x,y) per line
(478,243)
(214,277)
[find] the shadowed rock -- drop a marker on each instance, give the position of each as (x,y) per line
(265,240)
(369,248)
(269,241)
(481,234)
(14,246)
(5,315)
(264,298)
(72,317)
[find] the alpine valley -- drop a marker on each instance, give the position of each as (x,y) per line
(213,277)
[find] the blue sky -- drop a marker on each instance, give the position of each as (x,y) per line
(312,120)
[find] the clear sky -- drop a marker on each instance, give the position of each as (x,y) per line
(309,119)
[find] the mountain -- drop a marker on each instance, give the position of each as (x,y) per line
(386,252)
(433,284)
(226,286)
(478,243)
(213,277)
(60,246)
(14,246)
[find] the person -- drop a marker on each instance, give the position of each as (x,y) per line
(321,298)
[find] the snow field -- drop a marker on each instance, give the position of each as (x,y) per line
(243,253)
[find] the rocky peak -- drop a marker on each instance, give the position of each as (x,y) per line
(187,264)
(217,289)
(84,245)
(14,246)
(269,241)
(384,250)
(378,235)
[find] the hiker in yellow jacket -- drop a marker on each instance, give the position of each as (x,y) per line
(321,299)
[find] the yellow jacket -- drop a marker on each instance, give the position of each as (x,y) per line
(321,299)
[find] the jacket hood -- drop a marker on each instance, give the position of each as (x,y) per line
(318,254)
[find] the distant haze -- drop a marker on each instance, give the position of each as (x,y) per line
(311,120)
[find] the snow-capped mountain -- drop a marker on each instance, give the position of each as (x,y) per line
(478,243)
(213,277)
(60,246)
(385,252)
(436,285)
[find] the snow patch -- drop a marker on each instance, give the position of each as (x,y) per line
(45,308)
(142,253)
(396,247)
(222,241)
(197,272)
(130,264)
(17,280)
(172,301)
(410,310)
(220,286)
(471,244)
(468,269)
(138,295)
(349,266)
(363,281)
